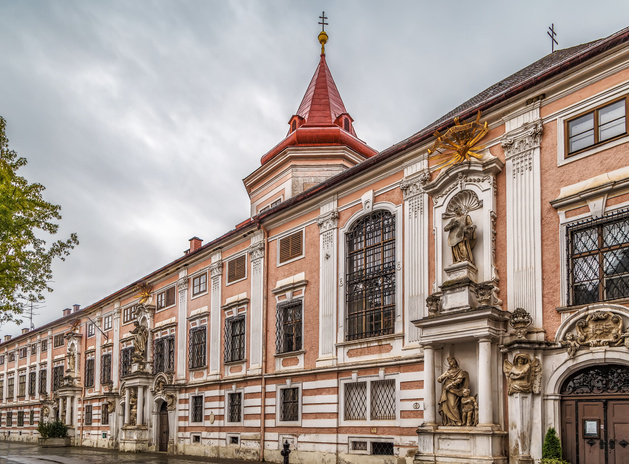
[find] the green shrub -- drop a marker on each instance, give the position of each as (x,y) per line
(553,461)
(551,450)
(56,429)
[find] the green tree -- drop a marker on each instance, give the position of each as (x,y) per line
(551,449)
(25,259)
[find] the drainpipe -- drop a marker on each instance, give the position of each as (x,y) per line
(265,319)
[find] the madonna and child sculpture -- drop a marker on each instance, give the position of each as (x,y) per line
(456,406)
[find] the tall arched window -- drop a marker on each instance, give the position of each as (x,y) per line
(370,291)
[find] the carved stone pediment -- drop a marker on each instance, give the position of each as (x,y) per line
(598,328)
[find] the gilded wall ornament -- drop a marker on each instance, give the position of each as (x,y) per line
(600,328)
(520,321)
(461,141)
(524,375)
(144,292)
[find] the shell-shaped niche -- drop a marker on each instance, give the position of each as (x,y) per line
(467,200)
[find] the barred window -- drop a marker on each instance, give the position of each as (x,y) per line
(129,314)
(289,404)
(105,369)
(370,400)
(57,377)
(57,341)
(10,388)
(289,326)
(44,346)
(234,406)
(88,414)
(199,284)
(236,269)
(164,354)
(125,361)
(598,251)
(21,389)
(31,419)
(197,409)
(20,418)
(107,323)
(43,378)
(32,383)
(166,298)
(235,338)
(197,348)
(89,372)
(291,247)
(382,448)
(9,418)
(104,414)
(370,289)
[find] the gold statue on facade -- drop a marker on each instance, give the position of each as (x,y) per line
(462,139)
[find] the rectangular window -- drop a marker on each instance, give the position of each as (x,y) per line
(107,323)
(164,354)
(234,406)
(291,247)
(90,330)
(370,277)
(1,360)
(370,400)
(12,356)
(199,284)
(598,250)
(33,349)
(236,269)
(197,347)
(31,419)
(125,361)
(88,414)
(2,390)
(382,448)
(289,404)
(20,418)
(23,352)
(104,414)
(89,372)
(595,127)
(105,369)
(44,346)
(21,389)
(9,419)
(57,377)
(128,314)
(235,339)
(197,409)
(289,326)
(166,298)
(32,383)
(57,340)
(43,378)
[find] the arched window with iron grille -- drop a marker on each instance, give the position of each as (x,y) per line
(370,278)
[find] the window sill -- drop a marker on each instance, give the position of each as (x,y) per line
(198,368)
(235,362)
(575,308)
(198,295)
(290,354)
(371,340)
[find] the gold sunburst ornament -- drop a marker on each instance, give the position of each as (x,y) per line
(144,292)
(462,139)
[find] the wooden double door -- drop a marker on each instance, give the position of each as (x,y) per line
(595,430)
(163,428)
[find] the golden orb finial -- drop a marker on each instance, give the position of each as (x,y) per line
(323,37)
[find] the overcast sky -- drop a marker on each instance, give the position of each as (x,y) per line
(141,118)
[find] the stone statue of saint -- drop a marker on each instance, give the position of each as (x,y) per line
(133,407)
(455,380)
(71,361)
(523,376)
(141,336)
(461,236)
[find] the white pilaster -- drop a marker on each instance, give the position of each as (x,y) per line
(49,365)
(140,407)
(328,255)
(68,410)
(216,272)
(522,147)
(430,415)
(485,383)
(38,367)
(127,408)
(182,332)
(97,357)
(115,357)
(416,284)
(256,254)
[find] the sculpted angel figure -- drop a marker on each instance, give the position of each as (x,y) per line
(524,375)
(461,236)
(469,409)
(455,380)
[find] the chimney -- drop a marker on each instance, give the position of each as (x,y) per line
(25,330)
(76,307)
(67,311)
(195,244)
(7,338)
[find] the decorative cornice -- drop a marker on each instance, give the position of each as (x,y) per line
(328,221)
(413,186)
(183,284)
(216,269)
(256,251)
(522,139)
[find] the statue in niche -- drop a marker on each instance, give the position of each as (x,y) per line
(71,361)
(524,375)
(133,407)
(140,338)
(469,409)
(455,381)
(461,236)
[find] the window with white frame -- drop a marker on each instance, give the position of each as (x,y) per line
(197,347)
(43,379)
(289,404)
(105,369)
(196,408)
(370,400)
(89,372)
(598,258)
(44,346)
(370,276)
(236,269)
(166,298)
(289,326)
(164,354)
(234,407)
(107,322)
(235,338)
(597,126)
(290,247)
(90,329)
(129,314)
(199,284)
(88,414)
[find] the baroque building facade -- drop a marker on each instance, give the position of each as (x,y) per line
(445,300)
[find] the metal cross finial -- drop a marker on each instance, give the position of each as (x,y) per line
(323,17)
(551,33)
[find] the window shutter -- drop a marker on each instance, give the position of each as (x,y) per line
(236,268)
(291,247)
(170,296)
